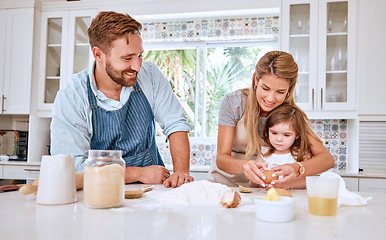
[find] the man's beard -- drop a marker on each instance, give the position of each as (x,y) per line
(119,77)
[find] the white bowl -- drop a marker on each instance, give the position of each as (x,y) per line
(275,211)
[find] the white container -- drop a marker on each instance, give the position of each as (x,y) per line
(322,195)
(56,180)
(275,211)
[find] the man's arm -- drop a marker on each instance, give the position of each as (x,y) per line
(69,128)
(180,151)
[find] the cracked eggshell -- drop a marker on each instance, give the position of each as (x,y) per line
(230,199)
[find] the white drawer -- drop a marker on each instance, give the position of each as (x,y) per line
(372,185)
(20,172)
(351,183)
(1,171)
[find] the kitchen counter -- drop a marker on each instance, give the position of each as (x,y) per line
(146,218)
(366,174)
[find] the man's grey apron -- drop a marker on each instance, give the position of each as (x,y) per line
(130,129)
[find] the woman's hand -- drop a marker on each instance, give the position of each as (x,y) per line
(287,171)
(253,170)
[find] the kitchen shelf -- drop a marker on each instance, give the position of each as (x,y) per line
(299,36)
(337,34)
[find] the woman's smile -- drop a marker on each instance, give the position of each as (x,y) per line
(271,92)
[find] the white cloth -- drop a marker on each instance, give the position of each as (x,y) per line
(345,197)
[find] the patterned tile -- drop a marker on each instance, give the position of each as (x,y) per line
(342,166)
(334,127)
(211,29)
(333,133)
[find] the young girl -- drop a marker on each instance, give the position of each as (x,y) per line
(285,132)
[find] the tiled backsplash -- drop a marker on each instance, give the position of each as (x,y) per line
(201,153)
(211,29)
(333,133)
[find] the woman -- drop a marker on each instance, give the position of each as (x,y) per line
(241,121)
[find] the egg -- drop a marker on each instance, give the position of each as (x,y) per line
(272,195)
(230,199)
(268,176)
(283,192)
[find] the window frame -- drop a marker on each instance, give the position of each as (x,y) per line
(204,45)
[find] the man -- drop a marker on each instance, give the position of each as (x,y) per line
(113,106)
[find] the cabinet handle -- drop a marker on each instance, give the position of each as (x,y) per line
(321,98)
(31,170)
(2,104)
(313,99)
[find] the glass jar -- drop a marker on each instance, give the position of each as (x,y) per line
(104,179)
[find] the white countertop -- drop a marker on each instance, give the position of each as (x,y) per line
(145,218)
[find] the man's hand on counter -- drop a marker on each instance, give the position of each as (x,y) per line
(154,174)
(177,179)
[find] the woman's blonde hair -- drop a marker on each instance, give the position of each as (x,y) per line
(298,121)
(282,65)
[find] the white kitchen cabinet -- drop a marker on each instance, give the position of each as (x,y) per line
(65,50)
(351,183)
(372,185)
(2,55)
(27,172)
(321,37)
(16,41)
(371,60)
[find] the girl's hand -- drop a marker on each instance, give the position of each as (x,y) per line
(288,171)
(253,170)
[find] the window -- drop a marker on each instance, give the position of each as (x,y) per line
(202,73)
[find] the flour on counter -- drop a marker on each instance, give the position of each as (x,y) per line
(195,193)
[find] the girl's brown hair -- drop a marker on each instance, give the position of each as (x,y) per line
(106,27)
(299,123)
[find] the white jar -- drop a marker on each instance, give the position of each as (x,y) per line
(104,179)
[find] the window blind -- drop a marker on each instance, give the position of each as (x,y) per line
(372,145)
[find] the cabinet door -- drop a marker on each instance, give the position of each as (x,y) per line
(2,56)
(351,183)
(371,58)
(18,61)
(299,37)
(53,47)
(337,54)
(321,37)
(65,51)
(79,52)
